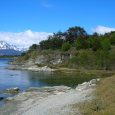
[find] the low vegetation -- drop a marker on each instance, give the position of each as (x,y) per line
(100,59)
(104,102)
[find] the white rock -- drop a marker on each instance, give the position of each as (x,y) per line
(93,81)
(9,98)
(98,79)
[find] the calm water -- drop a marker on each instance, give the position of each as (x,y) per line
(26,79)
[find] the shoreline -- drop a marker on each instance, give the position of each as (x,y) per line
(32,68)
(60,69)
(49,100)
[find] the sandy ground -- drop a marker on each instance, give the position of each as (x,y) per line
(48,101)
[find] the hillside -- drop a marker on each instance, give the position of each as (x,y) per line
(73,49)
(82,59)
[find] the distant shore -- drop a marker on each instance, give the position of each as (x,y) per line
(60,69)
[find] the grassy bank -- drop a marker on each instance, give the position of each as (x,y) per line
(87,59)
(104,103)
(82,59)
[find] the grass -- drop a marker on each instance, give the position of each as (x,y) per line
(88,59)
(104,102)
(103,73)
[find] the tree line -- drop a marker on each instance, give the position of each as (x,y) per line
(76,37)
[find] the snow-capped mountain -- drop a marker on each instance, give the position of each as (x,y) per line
(5,45)
(7,49)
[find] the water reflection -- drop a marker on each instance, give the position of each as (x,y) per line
(57,78)
(25,79)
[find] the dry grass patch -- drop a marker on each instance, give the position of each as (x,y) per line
(104,102)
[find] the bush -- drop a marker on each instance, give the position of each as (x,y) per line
(90,42)
(112,37)
(66,46)
(81,43)
(82,60)
(105,44)
(23,54)
(96,44)
(26,57)
(33,47)
(102,59)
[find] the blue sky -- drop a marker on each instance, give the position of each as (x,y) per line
(25,19)
(54,15)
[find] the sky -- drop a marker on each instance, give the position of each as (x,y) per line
(24,22)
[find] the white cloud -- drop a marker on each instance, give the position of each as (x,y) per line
(23,39)
(103,29)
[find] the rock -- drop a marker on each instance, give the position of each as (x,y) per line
(49,89)
(13,90)
(98,79)
(86,85)
(59,93)
(45,69)
(93,81)
(93,85)
(1,98)
(9,98)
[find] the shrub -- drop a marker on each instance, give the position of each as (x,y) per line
(90,42)
(96,44)
(23,54)
(66,46)
(112,38)
(81,43)
(33,47)
(105,44)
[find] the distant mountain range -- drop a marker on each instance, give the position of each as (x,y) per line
(9,50)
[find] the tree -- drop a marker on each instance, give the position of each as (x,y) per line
(33,47)
(59,35)
(75,32)
(112,38)
(95,34)
(52,42)
(56,43)
(81,43)
(90,41)
(44,44)
(96,44)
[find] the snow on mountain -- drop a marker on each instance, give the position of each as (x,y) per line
(4,45)
(9,50)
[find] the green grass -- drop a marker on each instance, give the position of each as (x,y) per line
(88,59)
